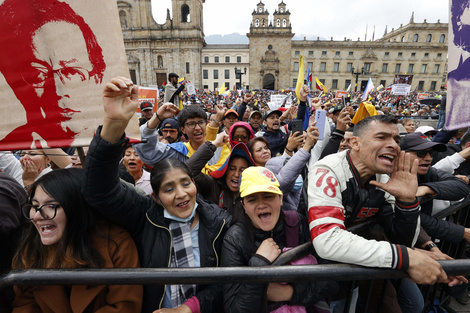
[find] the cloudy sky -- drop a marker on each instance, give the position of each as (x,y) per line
(333,18)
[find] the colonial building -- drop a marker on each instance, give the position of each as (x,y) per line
(272,57)
(155,50)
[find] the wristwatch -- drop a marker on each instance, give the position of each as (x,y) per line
(430,246)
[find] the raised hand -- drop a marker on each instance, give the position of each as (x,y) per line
(220,140)
(247,97)
(343,120)
(403,182)
(168,110)
(120,101)
(316,103)
(311,137)
(304,91)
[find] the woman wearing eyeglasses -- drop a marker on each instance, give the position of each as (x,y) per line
(240,132)
(63,233)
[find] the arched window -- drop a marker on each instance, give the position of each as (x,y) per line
(269,82)
(123,18)
(260,10)
(284,23)
(428,38)
(282,10)
(442,39)
(257,23)
(403,39)
(160,61)
(415,38)
(185,15)
(278,23)
(263,24)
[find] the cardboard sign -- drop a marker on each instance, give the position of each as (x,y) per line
(278,100)
(422,96)
(340,94)
(401,89)
(55,60)
(191,89)
(149,94)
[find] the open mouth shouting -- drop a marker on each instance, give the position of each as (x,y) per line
(388,158)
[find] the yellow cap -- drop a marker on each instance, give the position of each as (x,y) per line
(256,179)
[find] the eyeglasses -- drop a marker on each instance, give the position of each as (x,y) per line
(48,211)
(240,138)
(423,153)
(38,73)
(169,131)
(192,125)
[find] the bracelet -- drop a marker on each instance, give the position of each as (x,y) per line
(158,117)
(289,150)
(429,246)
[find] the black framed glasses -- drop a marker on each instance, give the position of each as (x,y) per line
(47,211)
(422,153)
(240,138)
(192,125)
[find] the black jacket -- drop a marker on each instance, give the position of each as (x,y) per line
(144,220)
(447,187)
(238,251)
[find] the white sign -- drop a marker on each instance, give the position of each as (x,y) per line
(278,100)
(401,89)
(190,88)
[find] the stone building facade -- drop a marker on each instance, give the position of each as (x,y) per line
(219,63)
(155,50)
(272,56)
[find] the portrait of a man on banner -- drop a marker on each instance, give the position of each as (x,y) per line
(458,78)
(54,64)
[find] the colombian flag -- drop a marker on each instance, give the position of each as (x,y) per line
(320,86)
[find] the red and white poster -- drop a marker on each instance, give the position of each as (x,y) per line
(422,96)
(55,60)
(148,94)
(340,94)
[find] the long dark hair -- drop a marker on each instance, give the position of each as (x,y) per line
(164,166)
(74,249)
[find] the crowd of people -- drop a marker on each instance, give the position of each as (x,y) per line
(230,181)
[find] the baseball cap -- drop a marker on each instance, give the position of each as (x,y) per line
(279,112)
(425,129)
(231,111)
(173,123)
(256,112)
(146,106)
(258,179)
(336,108)
(418,141)
(239,149)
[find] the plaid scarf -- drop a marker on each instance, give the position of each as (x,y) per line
(182,256)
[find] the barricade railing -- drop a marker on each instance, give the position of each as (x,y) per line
(275,273)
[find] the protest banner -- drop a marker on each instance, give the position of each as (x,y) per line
(422,96)
(401,89)
(278,100)
(55,60)
(191,89)
(340,94)
(402,85)
(458,77)
(149,94)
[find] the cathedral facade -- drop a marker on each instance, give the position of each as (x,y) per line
(271,59)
